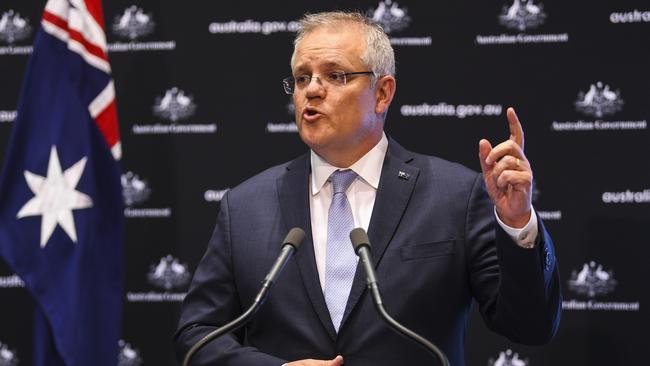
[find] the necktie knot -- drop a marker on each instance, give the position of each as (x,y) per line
(341,180)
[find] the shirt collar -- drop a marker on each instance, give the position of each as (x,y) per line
(368,167)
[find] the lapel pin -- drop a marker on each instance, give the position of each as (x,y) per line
(403,175)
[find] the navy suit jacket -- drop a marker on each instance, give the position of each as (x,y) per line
(436,247)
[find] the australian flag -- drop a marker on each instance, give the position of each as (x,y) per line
(60,194)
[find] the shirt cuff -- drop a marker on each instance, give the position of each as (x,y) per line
(524,237)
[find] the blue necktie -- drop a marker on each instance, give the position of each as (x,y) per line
(341,262)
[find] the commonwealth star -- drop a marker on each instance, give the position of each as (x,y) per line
(55,197)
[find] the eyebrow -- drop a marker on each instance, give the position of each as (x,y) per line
(326,65)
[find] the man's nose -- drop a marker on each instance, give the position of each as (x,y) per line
(315,88)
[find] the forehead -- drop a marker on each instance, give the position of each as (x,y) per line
(328,46)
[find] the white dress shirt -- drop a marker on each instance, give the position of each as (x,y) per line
(361,194)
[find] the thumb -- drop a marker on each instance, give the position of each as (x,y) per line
(337,361)
(484,149)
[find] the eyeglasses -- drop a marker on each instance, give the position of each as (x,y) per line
(336,78)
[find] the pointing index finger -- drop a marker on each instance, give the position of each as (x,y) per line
(516,131)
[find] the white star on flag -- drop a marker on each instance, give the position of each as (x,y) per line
(55,197)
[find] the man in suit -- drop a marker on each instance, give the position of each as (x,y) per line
(442,234)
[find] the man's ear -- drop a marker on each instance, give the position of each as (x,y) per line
(384,92)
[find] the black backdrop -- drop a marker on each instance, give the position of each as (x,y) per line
(201,108)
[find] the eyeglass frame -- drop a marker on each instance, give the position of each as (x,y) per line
(286,82)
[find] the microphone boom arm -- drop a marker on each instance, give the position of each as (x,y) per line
(290,244)
(361,245)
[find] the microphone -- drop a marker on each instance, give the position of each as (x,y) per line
(361,245)
(290,244)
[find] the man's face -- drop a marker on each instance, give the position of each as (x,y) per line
(338,122)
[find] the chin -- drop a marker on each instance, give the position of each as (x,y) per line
(315,142)
(311,134)
(311,142)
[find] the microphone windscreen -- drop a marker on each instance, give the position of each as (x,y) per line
(359,237)
(294,237)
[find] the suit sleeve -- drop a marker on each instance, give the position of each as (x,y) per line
(518,289)
(213,301)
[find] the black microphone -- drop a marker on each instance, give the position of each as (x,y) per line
(361,245)
(290,244)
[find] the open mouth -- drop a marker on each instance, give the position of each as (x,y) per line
(311,114)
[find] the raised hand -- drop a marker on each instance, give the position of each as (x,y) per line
(508,175)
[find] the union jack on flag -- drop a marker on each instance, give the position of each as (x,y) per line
(61,208)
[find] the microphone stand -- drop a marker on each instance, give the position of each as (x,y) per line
(361,245)
(290,245)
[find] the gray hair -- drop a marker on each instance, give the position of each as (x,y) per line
(378,56)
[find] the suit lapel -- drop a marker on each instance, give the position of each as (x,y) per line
(396,185)
(293,191)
